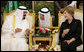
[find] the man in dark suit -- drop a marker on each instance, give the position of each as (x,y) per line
(58,6)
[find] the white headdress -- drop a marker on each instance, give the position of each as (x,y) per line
(19,12)
(46,21)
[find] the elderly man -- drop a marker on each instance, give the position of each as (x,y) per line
(14,31)
(44,17)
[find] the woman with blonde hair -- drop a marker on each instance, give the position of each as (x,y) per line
(70,31)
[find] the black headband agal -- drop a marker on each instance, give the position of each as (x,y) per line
(22,9)
(44,12)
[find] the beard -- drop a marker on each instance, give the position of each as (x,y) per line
(24,17)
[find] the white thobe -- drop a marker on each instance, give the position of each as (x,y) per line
(18,43)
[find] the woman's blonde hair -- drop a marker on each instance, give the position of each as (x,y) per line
(70,10)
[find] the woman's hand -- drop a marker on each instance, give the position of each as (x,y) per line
(65,32)
(69,41)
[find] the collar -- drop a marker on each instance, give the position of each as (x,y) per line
(71,22)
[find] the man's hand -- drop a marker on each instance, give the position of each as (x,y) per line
(65,32)
(18,30)
(27,31)
(61,10)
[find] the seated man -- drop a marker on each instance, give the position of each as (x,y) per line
(44,18)
(14,31)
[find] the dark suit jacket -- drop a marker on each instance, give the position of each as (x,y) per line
(61,4)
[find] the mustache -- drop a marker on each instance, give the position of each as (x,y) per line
(24,15)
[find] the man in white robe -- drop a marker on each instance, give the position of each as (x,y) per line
(14,31)
(44,17)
